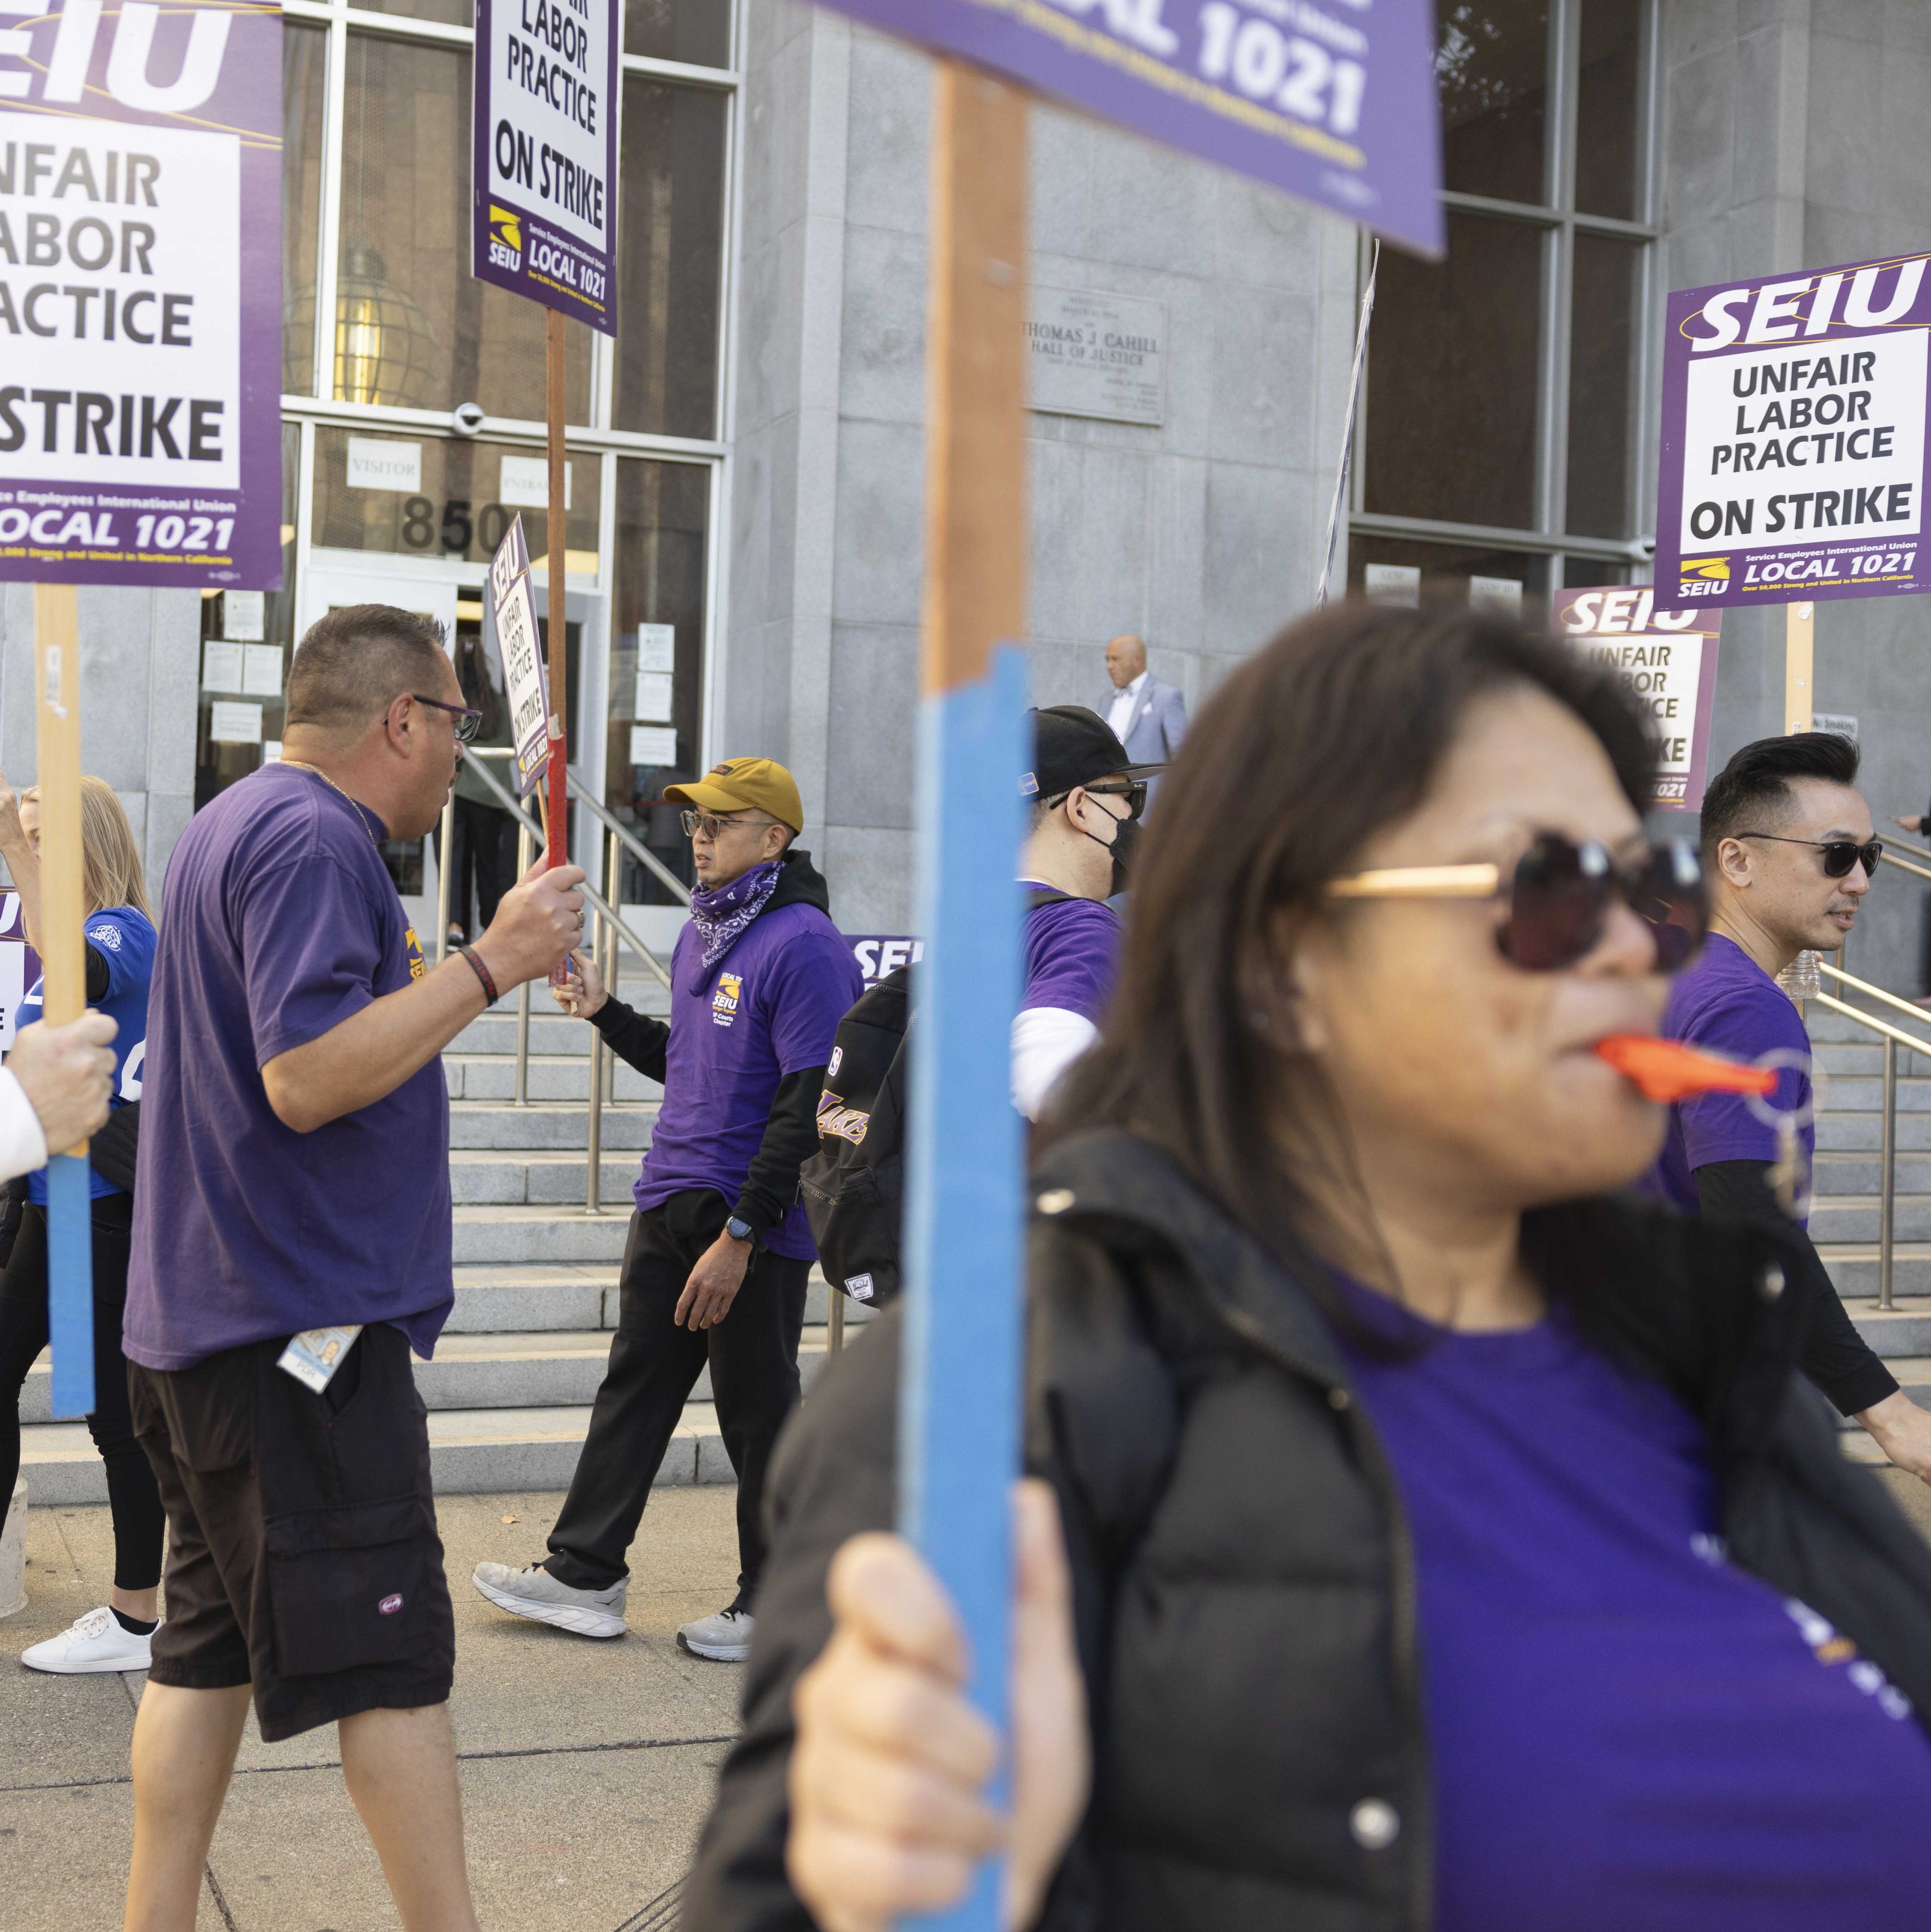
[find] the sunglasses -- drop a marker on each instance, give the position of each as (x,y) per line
(469,721)
(1839,854)
(1560,895)
(1134,790)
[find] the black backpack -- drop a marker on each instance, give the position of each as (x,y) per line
(854,1186)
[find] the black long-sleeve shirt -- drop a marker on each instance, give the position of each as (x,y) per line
(790,1133)
(1836,1356)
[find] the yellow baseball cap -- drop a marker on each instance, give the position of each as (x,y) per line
(744,784)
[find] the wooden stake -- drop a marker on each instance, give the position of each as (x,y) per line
(976,532)
(1800,696)
(556,819)
(959,1421)
(63,962)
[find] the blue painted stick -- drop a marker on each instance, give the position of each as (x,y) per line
(959,1419)
(62,966)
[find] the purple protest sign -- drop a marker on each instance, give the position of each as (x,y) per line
(543,173)
(140,413)
(1668,661)
(1336,105)
(1794,437)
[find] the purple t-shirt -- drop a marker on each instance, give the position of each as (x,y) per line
(279,921)
(1072,948)
(1626,1730)
(1727,1003)
(770,1007)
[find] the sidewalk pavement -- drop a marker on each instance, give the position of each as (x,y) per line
(587,1767)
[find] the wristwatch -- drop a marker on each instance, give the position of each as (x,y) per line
(737,1229)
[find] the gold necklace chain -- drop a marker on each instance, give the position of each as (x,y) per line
(301,767)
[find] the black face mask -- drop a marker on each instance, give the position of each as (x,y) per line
(1126,833)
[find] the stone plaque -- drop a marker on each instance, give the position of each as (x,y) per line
(1097,355)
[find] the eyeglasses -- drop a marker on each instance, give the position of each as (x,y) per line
(469,721)
(710,824)
(1134,790)
(1560,895)
(1839,854)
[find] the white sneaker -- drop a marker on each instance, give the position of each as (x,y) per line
(95,1642)
(725,1637)
(534,1593)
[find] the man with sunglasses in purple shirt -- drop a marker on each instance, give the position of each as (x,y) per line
(1789,853)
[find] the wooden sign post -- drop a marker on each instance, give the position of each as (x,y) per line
(1800,689)
(959,1424)
(63,961)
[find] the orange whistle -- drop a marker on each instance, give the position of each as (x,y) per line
(1667,1071)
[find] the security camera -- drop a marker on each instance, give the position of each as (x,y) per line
(466,418)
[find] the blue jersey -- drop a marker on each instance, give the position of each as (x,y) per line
(124,937)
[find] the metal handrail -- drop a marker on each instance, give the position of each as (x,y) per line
(1890,839)
(1871,992)
(1890,858)
(1893,1037)
(615,826)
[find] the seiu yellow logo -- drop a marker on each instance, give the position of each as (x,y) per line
(506,238)
(725,1000)
(418,965)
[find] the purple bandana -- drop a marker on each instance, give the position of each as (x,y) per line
(722,912)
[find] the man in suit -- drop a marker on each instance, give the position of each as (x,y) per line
(1148,717)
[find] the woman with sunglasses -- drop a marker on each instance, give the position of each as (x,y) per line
(1427,1537)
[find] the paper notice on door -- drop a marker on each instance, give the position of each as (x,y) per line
(653,744)
(235,723)
(243,616)
(656,648)
(261,670)
(654,689)
(220,666)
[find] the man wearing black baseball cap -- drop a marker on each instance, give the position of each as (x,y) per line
(1087,800)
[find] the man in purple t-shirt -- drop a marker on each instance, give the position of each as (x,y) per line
(294,1174)
(1789,854)
(1086,802)
(715,1268)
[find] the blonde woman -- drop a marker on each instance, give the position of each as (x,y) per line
(121,936)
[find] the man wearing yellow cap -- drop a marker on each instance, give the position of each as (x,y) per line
(719,1250)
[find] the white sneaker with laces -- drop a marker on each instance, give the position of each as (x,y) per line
(93,1642)
(532,1592)
(725,1637)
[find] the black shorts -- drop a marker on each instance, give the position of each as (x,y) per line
(303,1556)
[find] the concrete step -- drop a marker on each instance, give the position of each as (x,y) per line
(471,1451)
(1840,1175)
(528,1233)
(1844,1132)
(504,1177)
(547,1126)
(1852,1268)
(1856,1092)
(492,1076)
(1855,1218)
(1900,1333)
(1850,1061)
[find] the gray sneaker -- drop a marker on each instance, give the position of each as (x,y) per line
(534,1593)
(726,1637)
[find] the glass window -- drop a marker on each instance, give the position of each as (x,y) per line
(1402,570)
(669,259)
(1606,288)
(305,71)
(443,497)
(413,327)
(1451,418)
(1491,68)
(1608,124)
(697,31)
(452,13)
(1585,573)
(657,658)
(245,642)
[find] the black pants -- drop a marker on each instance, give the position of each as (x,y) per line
(655,1364)
(135,1502)
(482,853)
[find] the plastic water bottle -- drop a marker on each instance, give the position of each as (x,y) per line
(1801,979)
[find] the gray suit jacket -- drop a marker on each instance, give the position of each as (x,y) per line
(1158,724)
